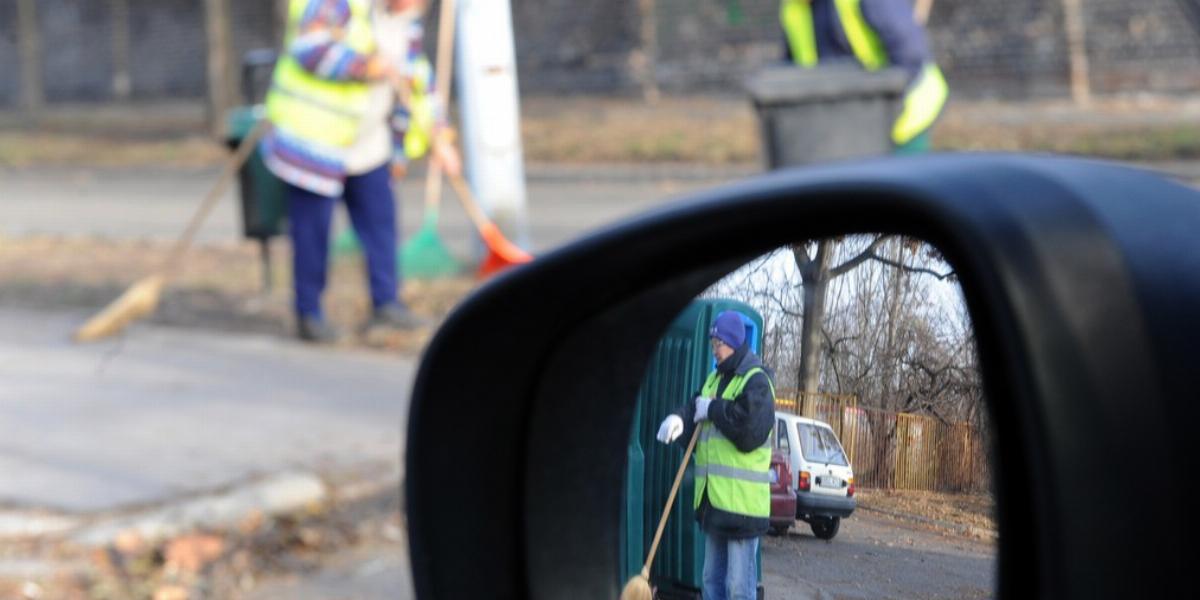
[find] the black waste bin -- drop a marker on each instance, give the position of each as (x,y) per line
(825,113)
(263,202)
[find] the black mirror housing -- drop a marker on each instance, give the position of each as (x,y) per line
(1082,279)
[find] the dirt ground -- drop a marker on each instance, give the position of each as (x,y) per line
(241,563)
(219,288)
(970,514)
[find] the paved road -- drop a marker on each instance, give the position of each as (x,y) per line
(876,557)
(155,204)
(873,557)
(162,412)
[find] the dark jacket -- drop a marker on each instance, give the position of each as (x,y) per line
(903,39)
(747,422)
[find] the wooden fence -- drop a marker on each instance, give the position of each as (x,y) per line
(898,450)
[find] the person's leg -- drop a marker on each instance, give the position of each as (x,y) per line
(742,568)
(373,214)
(715,566)
(309,216)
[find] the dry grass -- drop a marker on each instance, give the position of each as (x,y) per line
(973,512)
(588,129)
(27,149)
(585,130)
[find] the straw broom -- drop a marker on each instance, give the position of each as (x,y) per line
(143,296)
(638,587)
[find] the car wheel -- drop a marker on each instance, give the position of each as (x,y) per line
(826,527)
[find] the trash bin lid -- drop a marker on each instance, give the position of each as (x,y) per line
(786,84)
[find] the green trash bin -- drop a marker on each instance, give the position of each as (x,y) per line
(676,371)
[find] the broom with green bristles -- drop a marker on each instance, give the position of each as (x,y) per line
(425,255)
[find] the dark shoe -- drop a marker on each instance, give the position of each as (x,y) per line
(315,330)
(394,317)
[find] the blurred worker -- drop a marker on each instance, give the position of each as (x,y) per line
(350,103)
(735,411)
(875,34)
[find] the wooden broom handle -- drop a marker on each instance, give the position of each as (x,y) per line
(446,29)
(662,523)
(470,204)
(228,172)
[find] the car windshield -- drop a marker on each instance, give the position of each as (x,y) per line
(819,444)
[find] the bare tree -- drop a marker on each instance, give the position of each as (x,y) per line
(859,315)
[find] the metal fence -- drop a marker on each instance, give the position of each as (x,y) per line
(57,51)
(897,450)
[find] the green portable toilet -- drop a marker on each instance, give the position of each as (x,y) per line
(675,373)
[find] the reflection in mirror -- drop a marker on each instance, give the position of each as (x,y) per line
(869,436)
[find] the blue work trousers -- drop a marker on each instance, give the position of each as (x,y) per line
(730,568)
(372,211)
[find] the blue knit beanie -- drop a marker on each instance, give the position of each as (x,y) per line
(729,328)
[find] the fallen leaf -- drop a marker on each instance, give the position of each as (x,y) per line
(171,592)
(129,542)
(31,591)
(252,523)
(191,553)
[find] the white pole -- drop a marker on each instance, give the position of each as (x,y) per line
(491,133)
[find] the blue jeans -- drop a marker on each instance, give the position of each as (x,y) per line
(372,211)
(730,570)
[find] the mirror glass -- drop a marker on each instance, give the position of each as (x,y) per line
(877,437)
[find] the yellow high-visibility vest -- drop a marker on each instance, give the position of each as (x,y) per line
(319,111)
(328,114)
(736,482)
(923,101)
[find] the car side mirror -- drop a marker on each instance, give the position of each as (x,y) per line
(1081,279)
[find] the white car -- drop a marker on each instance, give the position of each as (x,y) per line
(821,474)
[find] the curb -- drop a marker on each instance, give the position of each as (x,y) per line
(274,495)
(24,524)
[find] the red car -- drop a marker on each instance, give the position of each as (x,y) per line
(783,498)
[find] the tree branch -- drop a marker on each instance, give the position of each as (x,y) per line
(800,255)
(892,263)
(862,257)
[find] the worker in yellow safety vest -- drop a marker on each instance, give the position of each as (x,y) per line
(735,411)
(351,101)
(874,34)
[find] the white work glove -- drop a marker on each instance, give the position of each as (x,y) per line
(702,408)
(671,428)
